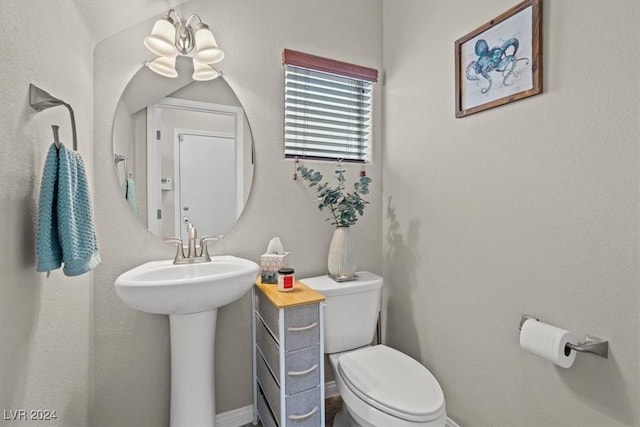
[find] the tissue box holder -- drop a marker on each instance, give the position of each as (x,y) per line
(269,266)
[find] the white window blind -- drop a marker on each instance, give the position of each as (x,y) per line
(327,114)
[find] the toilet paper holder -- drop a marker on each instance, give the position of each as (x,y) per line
(591,344)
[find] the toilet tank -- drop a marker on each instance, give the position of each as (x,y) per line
(351,311)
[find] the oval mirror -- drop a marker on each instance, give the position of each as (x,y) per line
(183,153)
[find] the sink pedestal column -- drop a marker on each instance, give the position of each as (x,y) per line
(192,376)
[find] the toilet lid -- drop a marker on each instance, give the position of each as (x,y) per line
(392,382)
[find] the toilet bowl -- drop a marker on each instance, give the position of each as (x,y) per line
(383,387)
(379,386)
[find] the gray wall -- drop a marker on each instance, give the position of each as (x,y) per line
(528,208)
(131,357)
(45,323)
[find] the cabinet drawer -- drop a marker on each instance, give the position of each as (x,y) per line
(266,417)
(269,386)
(302,328)
(268,313)
(303,409)
(302,370)
(268,347)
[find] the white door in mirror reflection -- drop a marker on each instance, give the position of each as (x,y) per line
(208,169)
(206,160)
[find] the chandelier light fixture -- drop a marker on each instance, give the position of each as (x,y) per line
(172,36)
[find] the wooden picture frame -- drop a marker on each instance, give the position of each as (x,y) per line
(500,61)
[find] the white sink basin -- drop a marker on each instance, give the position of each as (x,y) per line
(190,294)
(161,287)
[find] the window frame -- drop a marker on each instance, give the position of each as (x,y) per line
(340,69)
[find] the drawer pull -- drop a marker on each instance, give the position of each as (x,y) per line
(300,373)
(303,328)
(302,417)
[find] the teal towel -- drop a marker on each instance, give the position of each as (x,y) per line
(48,249)
(131,194)
(69,236)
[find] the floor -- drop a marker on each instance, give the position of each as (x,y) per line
(332,406)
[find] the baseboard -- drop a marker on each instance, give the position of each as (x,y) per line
(451,423)
(331,390)
(236,417)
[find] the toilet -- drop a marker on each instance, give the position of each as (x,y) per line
(379,386)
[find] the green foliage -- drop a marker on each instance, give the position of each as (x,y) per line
(344,206)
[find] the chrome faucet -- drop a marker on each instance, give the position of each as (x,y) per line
(194,253)
(191,235)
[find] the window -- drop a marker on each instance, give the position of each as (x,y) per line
(327,108)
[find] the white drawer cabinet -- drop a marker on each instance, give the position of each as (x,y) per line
(288,357)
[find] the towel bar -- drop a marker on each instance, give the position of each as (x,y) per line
(41,100)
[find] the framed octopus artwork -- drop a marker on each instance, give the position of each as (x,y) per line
(500,61)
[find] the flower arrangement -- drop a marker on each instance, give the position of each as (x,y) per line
(344,206)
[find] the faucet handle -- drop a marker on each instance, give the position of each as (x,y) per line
(180,249)
(204,249)
(206,239)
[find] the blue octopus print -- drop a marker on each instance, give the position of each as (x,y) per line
(500,59)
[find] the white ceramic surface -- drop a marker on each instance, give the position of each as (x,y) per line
(190,294)
(377,376)
(346,301)
(161,287)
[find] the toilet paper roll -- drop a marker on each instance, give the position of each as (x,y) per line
(548,342)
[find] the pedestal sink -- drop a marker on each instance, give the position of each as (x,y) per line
(190,294)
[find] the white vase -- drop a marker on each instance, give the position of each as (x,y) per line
(342,256)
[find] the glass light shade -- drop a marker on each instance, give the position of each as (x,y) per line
(203,72)
(162,39)
(207,50)
(164,66)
